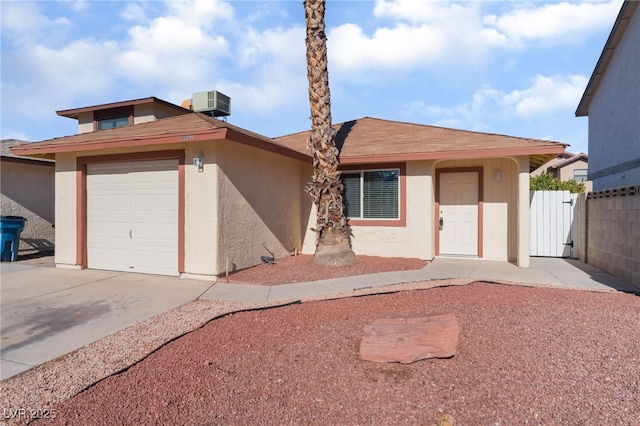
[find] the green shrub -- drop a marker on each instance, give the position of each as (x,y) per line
(548,182)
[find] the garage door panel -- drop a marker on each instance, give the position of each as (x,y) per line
(132,216)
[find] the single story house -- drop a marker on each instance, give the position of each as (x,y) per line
(27,189)
(195,196)
(566,166)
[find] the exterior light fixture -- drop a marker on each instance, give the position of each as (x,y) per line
(497,175)
(199,163)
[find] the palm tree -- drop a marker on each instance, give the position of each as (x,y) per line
(333,242)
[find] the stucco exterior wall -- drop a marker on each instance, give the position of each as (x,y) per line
(242,198)
(416,238)
(65,253)
(85,122)
(413,240)
(145,113)
(66,200)
(201,210)
(28,191)
(614,127)
(259,205)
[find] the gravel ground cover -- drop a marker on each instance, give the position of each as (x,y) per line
(526,355)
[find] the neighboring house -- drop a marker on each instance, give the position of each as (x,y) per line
(191,195)
(612,103)
(567,166)
(27,190)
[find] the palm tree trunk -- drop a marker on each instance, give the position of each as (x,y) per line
(333,242)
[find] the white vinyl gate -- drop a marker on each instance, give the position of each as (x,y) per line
(553,225)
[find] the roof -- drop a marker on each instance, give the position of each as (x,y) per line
(373,140)
(572,159)
(177,129)
(75,112)
(6,154)
(617,33)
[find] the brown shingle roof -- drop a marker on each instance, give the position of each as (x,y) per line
(177,129)
(376,140)
(366,140)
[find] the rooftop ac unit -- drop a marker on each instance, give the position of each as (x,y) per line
(213,103)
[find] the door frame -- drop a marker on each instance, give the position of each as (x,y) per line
(436,216)
(81,195)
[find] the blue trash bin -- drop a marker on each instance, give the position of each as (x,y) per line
(10,227)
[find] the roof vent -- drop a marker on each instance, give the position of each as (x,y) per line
(211,103)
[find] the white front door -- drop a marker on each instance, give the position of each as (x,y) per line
(132,216)
(459,213)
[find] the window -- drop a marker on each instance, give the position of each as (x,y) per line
(112,118)
(580,175)
(372,194)
(111,123)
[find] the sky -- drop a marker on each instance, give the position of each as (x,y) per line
(516,68)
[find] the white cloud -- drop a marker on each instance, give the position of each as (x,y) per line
(23,23)
(547,95)
(554,21)
(134,12)
(200,13)
(439,33)
(276,60)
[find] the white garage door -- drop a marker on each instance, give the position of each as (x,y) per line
(132,216)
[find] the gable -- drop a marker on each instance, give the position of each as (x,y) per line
(625,16)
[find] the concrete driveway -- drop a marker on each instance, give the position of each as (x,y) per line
(48,312)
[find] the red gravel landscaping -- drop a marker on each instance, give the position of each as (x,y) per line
(525,356)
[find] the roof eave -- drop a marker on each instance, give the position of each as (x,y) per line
(617,32)
(74,112)
(454,155)
(46,150)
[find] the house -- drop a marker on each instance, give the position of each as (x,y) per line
(195,196)
(423,191)
(567,166)
(612,103)
(27,190)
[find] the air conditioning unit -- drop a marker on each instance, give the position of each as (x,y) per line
(213,103)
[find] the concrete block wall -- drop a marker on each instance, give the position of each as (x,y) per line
(611,231)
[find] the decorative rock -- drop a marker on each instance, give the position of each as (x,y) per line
(410,338)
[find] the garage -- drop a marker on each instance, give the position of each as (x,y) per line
(132,216)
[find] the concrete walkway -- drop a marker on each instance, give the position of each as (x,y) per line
(48,312)
(563,273)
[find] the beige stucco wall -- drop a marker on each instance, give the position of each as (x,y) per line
(65,254)
(243,197)
(85,122)
(259,205)
(416,238)
(65,200)
(28,191)
(145,113)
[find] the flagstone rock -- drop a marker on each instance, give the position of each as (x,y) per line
(411,338)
